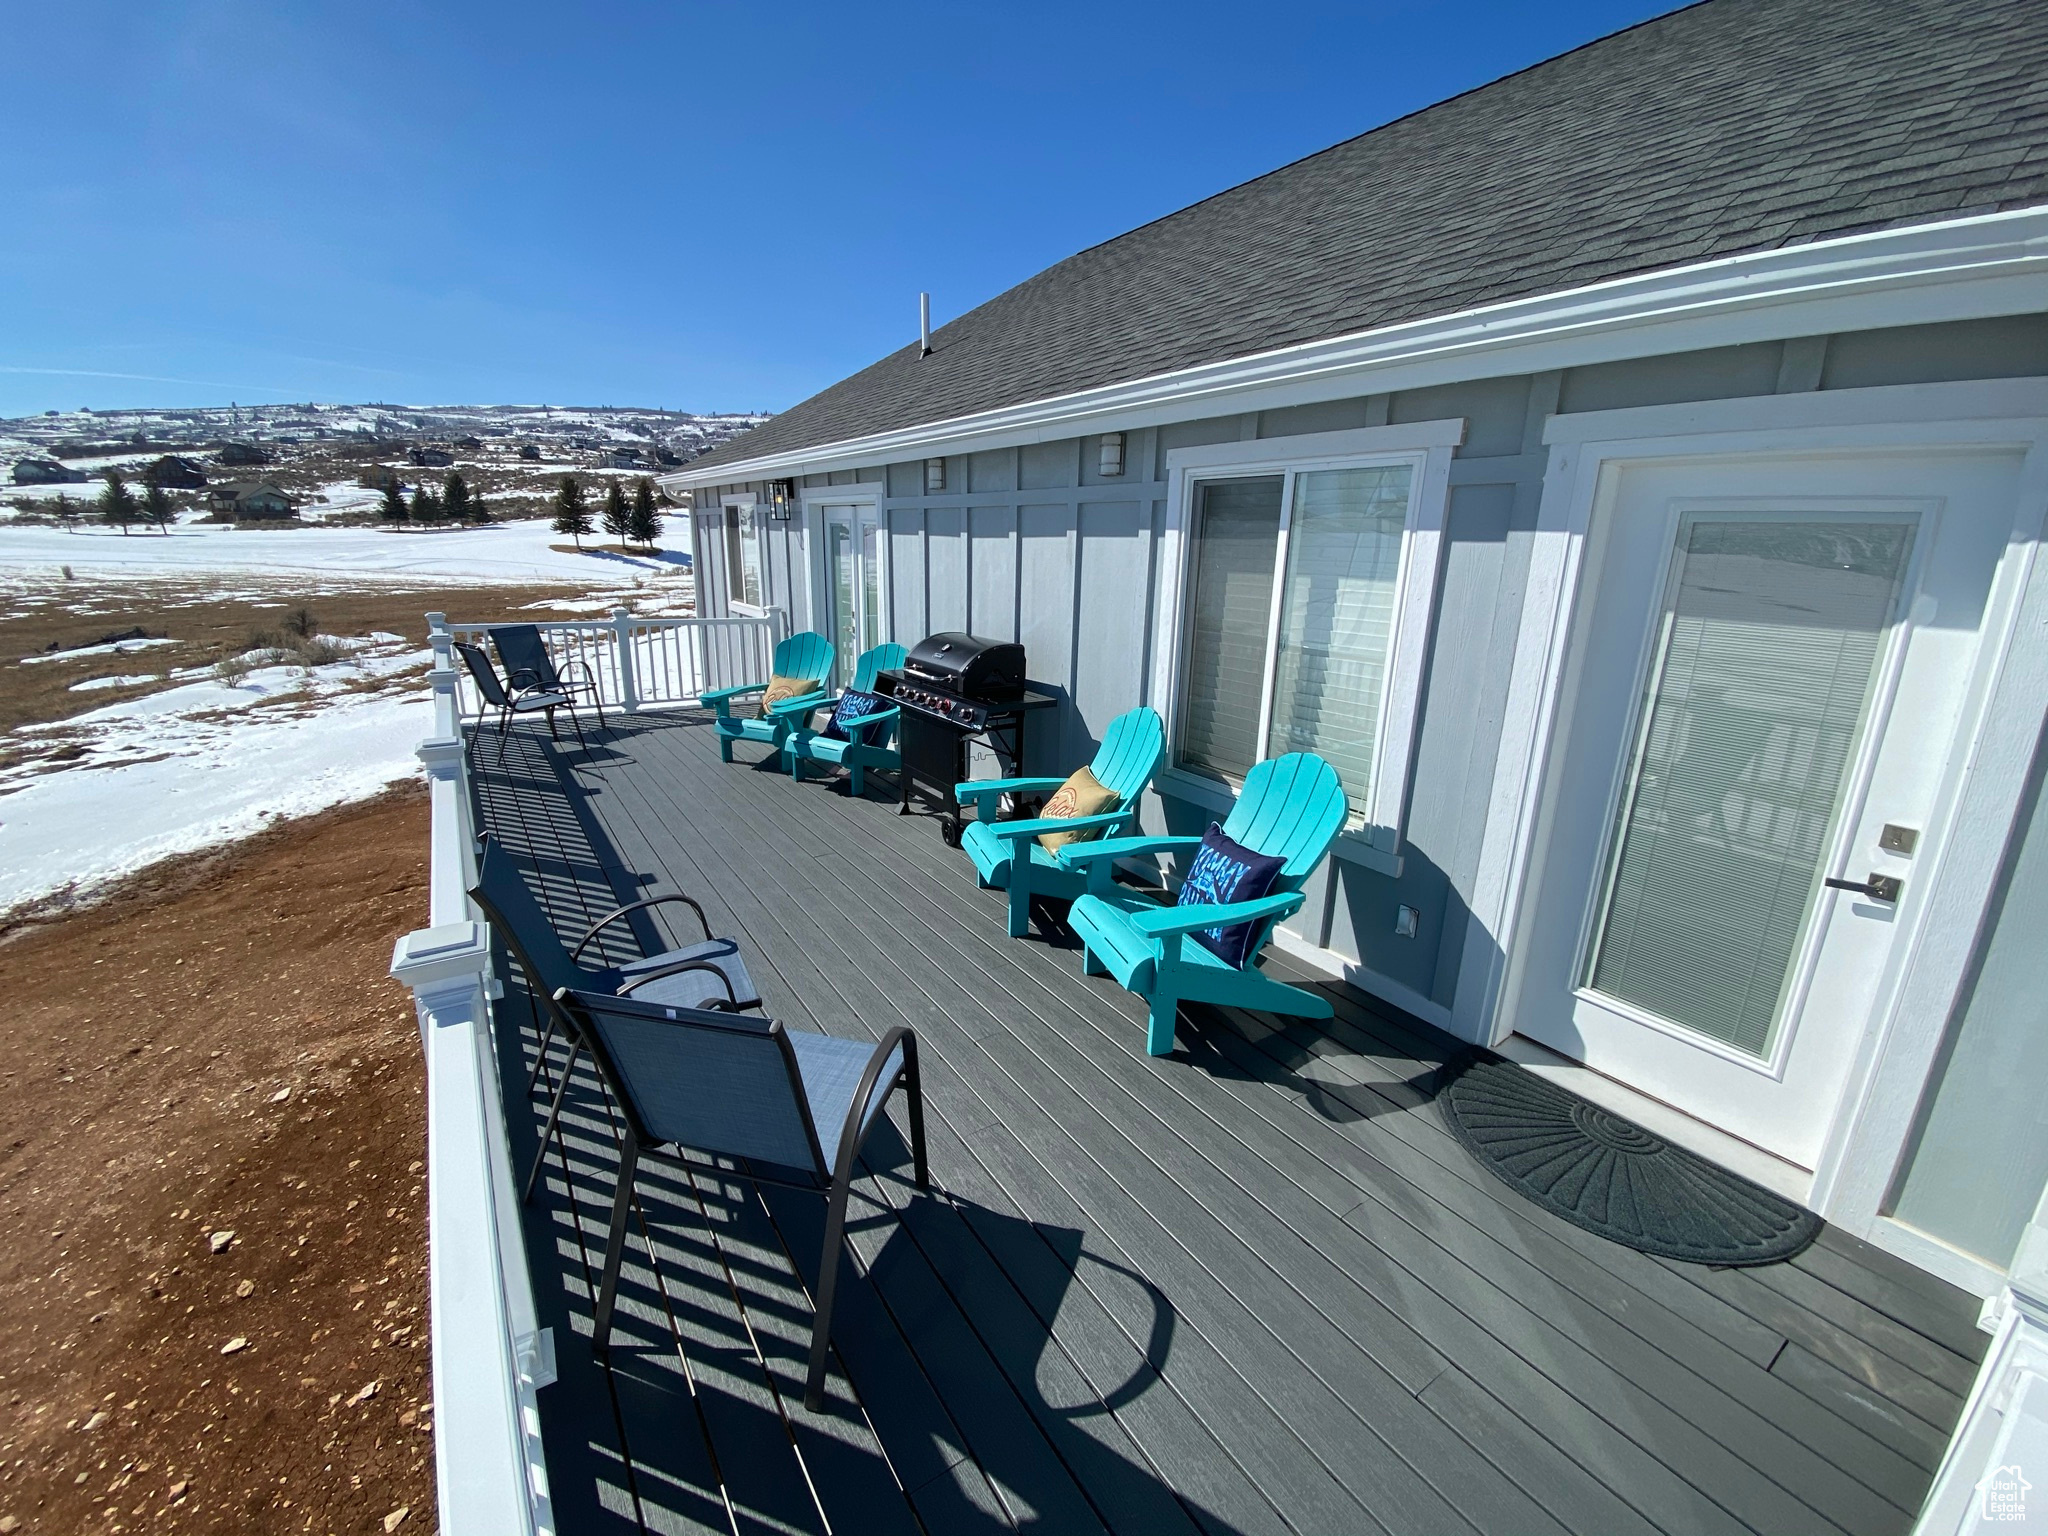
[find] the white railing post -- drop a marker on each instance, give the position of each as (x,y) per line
(443,676)
(629,685)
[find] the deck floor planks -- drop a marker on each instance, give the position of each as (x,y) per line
(1046,1106)
(1389,1416)
(1830,1485)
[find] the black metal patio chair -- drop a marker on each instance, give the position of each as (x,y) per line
(509,705)
(709,975)
(745,1088)
(528,667)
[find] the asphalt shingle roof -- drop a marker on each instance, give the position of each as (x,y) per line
(1731,126)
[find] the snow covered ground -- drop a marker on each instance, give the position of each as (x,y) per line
(103,794)
(514,553)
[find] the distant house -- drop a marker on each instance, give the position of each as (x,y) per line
(45,472)
(250,499)
(240,453)
(622,458)
(664,457)
(468,444)
(175,473)
(379,477)
(432,457)
(530,452)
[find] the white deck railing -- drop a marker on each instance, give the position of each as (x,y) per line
(491,1357)
(641,663)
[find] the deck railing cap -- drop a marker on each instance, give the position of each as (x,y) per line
(428,958)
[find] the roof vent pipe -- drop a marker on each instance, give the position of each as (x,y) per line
(924,324)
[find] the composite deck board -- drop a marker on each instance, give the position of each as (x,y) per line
(1252,1287)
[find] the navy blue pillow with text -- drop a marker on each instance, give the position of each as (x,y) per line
(1225,871)
(852,705)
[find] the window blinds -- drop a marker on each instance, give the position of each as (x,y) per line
(1337,616)
(1237,535)
(1769,648)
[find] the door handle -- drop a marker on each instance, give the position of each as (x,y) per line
(1885,888)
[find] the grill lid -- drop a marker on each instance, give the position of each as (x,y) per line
(970,665)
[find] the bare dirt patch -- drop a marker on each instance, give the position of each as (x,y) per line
(206,625)
(217,1049)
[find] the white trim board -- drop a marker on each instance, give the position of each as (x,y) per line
(1863,1144)
(1955,269)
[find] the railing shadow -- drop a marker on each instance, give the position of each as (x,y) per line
(952,1396)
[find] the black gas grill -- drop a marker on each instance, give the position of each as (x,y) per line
(955,689)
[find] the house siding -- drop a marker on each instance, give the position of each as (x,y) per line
(1032,543)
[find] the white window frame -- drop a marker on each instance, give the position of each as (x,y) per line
(749,518)
(1374,838)
(812,501)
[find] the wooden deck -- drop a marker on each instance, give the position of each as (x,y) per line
(1255,1287)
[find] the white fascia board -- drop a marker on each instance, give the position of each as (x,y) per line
(1958,269)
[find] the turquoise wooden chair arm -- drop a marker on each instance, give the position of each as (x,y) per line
(802,705)
(974,791)
(1012,830)
(720,695)
(1162,922)
(862,722)
(1079,855)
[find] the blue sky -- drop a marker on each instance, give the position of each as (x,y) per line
(692,206)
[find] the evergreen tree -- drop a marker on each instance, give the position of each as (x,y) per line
(479,510)
(643,523)
(426,506)
(455,497)
(393,510)
(117,502)
(615,512)
(157,508)
(572,515)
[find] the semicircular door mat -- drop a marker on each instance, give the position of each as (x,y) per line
(1611,1176)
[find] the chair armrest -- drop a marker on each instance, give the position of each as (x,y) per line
(853,1130)
(1163,921)
(1098,859)
(630,907)
(801,705)
(720,695)
(1039,825)
(861,722)
(975,792)
(1112,848)
(589,678)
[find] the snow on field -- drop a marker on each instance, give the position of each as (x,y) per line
(105,793)
(498,554)
(111,648)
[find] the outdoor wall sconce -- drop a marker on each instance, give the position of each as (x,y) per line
(934,475)
(780,494)
(1112,453)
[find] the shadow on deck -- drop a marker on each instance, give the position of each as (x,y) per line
(1253,1287)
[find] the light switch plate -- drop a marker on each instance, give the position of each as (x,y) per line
(1406,921)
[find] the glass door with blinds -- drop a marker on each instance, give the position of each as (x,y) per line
(1757,720)
(853,584)
(1294,587)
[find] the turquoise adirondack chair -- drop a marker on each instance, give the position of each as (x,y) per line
(802,655)
(870,739)
(1292,808)
(1008,853)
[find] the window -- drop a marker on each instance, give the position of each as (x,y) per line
(1308,587)
(743,556)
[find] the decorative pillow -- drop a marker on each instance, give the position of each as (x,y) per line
(1225,871)
(852,705)
(780,688)
(1082,795)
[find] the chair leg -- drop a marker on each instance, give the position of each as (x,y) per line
(1020,898)
(504,720)
(724,748)
(860,780)
(614,1250)
(828,1285)
(553,734)
(1159,1023)
(1090,966)
(540,1060)
(547,1130)
(577,721)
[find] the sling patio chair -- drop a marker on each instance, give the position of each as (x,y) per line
(1010,853)
(801,665)
(508,705)
(731,1086)
(1243,878)
(864,722)
(529,667)
(709,974)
